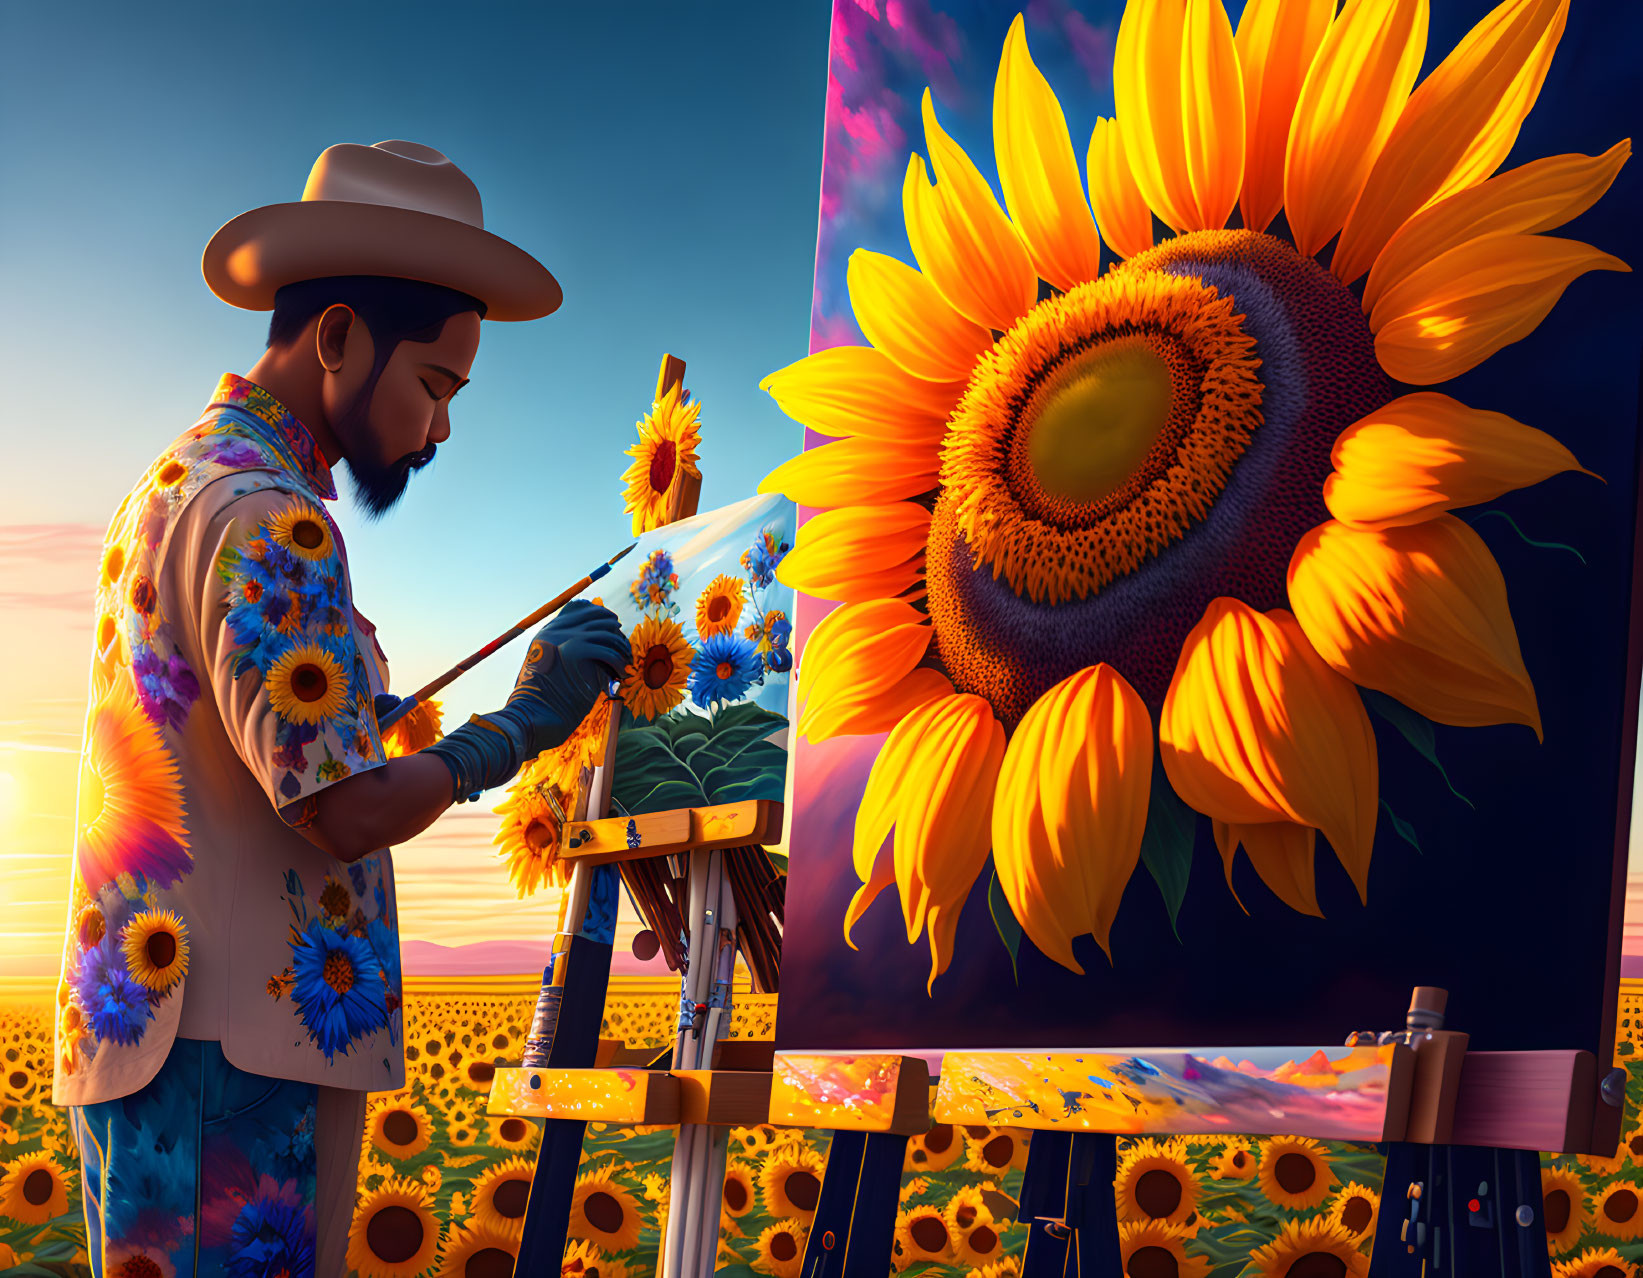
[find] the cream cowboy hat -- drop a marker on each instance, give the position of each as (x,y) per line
(395,208)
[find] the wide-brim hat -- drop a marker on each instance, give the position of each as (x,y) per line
(394,208)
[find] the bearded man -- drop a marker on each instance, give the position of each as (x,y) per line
(230,986)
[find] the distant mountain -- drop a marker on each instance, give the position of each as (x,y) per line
(503,958)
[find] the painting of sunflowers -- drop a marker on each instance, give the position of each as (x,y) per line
(705,695)
(1211,564)
(1190,1206)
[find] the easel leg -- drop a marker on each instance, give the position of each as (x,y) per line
(1067,1201)
(1439,1232)
(855,1224)
(575,1046)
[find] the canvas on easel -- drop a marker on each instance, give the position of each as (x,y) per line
(1216,613)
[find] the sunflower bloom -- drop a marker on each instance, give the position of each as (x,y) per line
(1618,1211)
(1294,1172)
(985,546)
(156,949)
(478,1248)
(33,1189)
(395,1233)
(1155,1182)
(604,1214)
(1316,1245)
(655,679)
(1142,1240)
(499,1196)
(664,455)
(1355,1209)
(307,685)
(1595,1262)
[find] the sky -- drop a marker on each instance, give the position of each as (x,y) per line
(663,160)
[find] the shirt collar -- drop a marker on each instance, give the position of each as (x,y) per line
(278,426)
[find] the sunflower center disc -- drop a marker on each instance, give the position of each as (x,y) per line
(1152,1262)
(658,666)
(338,973)
(394,1234)
(308,682)
(162,950)
(662,462)
(399,1128)
(493,1262)
(37,1187)
(1133,449)
(1099,422)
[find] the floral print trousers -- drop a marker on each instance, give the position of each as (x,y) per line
(209,1170)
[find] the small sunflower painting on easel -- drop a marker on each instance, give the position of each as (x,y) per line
(704,717)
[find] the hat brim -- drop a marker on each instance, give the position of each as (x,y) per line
(261,251)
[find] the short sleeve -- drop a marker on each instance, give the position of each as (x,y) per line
(275,617)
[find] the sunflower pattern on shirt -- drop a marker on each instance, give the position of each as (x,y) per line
(343,980)
(124,951)
(290,619)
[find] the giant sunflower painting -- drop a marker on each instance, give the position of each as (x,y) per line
(1155,475)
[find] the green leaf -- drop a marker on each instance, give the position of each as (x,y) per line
(777,859)
(1523,536)
(1009,930)
(650,777)
(748,714)
(758,771)
(1231,1270)
(1415,729)
(1166,844)
(1405,831)
(683,723)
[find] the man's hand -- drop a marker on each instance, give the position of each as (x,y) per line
(571,659)
(568,663)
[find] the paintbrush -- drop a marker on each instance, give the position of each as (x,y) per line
(427,690)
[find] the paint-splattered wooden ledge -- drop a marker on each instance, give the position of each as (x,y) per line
(1330,1093)
(723,825)
(869,1093)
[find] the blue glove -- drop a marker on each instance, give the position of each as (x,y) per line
(568,664)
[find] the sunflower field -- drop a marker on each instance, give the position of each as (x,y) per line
(442,1186)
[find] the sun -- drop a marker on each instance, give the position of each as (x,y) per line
(1078,519)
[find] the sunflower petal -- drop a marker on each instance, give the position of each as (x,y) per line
(944,759)
(906,317)
(1459,309)
(1071,807)
(1539,196)
(1038,170)
(1357,85)
(857,553)
(880,875)
(868,710)
(878,641)
(1448,121)
(1146,87)
(857,390)
(1256,728)
(1418,613)
(1282,854)
(1277,40)
(960,236)
(1426,453)
(1212,113)
(867,472)
(1120,210)
(1512,107)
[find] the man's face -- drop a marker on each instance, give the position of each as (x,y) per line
(393,429)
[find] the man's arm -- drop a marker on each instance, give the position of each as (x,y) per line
(379,808)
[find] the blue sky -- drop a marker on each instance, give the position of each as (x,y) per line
(663,160)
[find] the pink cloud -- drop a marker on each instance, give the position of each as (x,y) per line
(1092,45)
(833,330)
(51,543)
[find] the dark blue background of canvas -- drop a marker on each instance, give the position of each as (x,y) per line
(1508,906)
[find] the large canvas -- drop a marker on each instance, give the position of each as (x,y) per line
(1207,635)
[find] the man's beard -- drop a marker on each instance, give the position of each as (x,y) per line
(377,486)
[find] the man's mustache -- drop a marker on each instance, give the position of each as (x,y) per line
(420,458)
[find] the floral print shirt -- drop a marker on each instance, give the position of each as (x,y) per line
(231,682)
